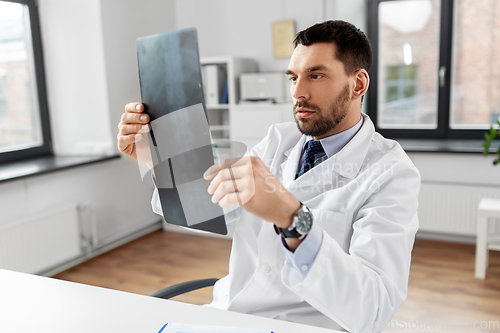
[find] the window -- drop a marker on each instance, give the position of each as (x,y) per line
(24,123)
(400,100)
(3,103)
(475,80)
(434,72)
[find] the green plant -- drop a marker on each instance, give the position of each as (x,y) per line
(488,138)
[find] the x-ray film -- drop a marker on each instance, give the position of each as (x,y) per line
(180,142)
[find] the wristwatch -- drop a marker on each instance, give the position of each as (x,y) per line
(301,225)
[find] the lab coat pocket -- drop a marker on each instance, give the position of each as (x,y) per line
(333,223)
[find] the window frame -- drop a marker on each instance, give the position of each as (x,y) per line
(443,130)
(46,148)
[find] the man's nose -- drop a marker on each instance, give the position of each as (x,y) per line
(300,89)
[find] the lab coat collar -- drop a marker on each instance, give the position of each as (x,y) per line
(289,166)
(346,163)
(350,158)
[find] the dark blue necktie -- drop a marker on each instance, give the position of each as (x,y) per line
(313,148)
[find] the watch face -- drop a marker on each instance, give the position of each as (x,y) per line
(303,221)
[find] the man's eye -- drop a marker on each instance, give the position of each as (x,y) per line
(292,78)
(316,76)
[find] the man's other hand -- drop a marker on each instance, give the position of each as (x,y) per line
(247,182)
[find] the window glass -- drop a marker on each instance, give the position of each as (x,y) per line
(19,108)
(3,104)
(408,64)
(475,88)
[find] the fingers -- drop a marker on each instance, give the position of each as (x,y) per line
(231,199)
(223,189)
(125,140)
(134,107)
(132,124)
(233,180)
(145,128)
(232,173)
(233,192)
(232,183)
(134,129)
(134,118)
(231,162)
(133,121)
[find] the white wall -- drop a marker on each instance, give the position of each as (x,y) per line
(457,168)
(91,71)
(75,74)
(244,28)
(91,66)
(123,22)
(120,207)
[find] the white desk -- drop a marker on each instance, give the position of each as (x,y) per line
(30,303)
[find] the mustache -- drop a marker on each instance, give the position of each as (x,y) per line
(305,104)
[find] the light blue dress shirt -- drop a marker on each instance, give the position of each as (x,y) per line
(306,252)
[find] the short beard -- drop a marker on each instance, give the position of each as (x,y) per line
(328,119)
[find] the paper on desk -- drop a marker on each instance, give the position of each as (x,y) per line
(190,328)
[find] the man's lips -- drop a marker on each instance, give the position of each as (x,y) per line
(303,112)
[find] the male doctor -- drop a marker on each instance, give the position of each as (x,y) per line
(329,206)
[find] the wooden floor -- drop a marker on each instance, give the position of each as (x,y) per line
(443,291)
(443,295)
(156,261)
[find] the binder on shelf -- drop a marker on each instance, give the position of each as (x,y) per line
(215,78)
(225,98)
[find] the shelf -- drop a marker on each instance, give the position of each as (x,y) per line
(217,106)
(219,114)
(221,140)
(219,128)
(47,164)
(221,143)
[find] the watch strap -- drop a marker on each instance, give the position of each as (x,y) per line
(287,233)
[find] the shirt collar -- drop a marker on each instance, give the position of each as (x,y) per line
(334,143)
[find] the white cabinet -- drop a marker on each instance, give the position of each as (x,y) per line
(219,113)
(230,121)
(250,122)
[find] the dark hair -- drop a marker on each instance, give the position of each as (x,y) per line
(353,47)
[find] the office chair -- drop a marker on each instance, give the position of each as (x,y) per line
(184,287)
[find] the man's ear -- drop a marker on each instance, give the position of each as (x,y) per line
(361,83)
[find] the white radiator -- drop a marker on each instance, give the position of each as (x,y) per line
(42,241)
(452,209)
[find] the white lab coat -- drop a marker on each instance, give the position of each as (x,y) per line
(365,200)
